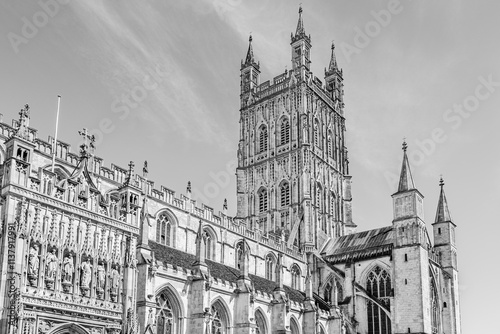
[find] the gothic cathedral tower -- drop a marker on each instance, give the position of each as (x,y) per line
(293,178)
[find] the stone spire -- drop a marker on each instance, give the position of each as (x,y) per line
(300,32)
(442,213)
(300,24)
(405,180)
(130,173)
(332,67)
(200,248)
(249,60)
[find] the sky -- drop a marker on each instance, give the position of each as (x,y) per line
(159,81)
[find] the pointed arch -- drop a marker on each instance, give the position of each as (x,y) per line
(169,310)
(263,139)
(379,286)
(261,321)
(210,236)
(284,193)
(317,133)
(294,325)
(240,248)
(69,329)
(284,130)
(271,261)
(322,329)
(296,276)
(263,200)
(221,316)
(166,227)
(435,303)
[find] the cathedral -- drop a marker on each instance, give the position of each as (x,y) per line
(91,249)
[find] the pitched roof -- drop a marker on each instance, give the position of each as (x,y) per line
(218,270)
(362,245)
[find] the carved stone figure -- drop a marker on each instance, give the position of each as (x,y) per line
(33,261)
(115,283)
(86,272)
(51,265)
(68,269)
(101,276)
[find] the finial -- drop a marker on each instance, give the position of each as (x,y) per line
(188,188)
(86,149)
(333,44)
(441,181)
(300,8)
(145,169)
(224,206)
(405,146)
(250,38)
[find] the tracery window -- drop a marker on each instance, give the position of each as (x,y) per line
(284,131)
(166,322)
(164,230)
(434,308)
(285,194)
(295,271)
(262,200)
(263,136)
(378,285)
(270,267)
(340,292)
(218,320)
(260,321)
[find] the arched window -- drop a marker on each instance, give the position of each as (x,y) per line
(262,200)
(294,326)
(378,285)
(164,230)
(284,194)
(434,308)
(239,252)
(263,139)
(316,134)
(210,242)
(166,315)
(327,295)
(340,292)
(295,271)
(284,131)
(270,267)
(218,319)
(260,321)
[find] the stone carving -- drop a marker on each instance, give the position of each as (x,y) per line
(33,265)
(86,277)
(115,283)
(68,271)
(101,280)
(50,268)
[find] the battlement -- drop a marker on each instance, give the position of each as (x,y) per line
(115,177)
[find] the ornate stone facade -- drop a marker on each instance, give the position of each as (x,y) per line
(89,249)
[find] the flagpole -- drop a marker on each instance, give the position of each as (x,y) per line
(54,147)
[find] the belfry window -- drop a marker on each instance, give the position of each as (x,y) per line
(285,194)
(263,136)
(284,131)
(378,286)
(262,200)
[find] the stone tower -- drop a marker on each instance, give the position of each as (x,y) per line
(445,246)
(410,257)
(292,178)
